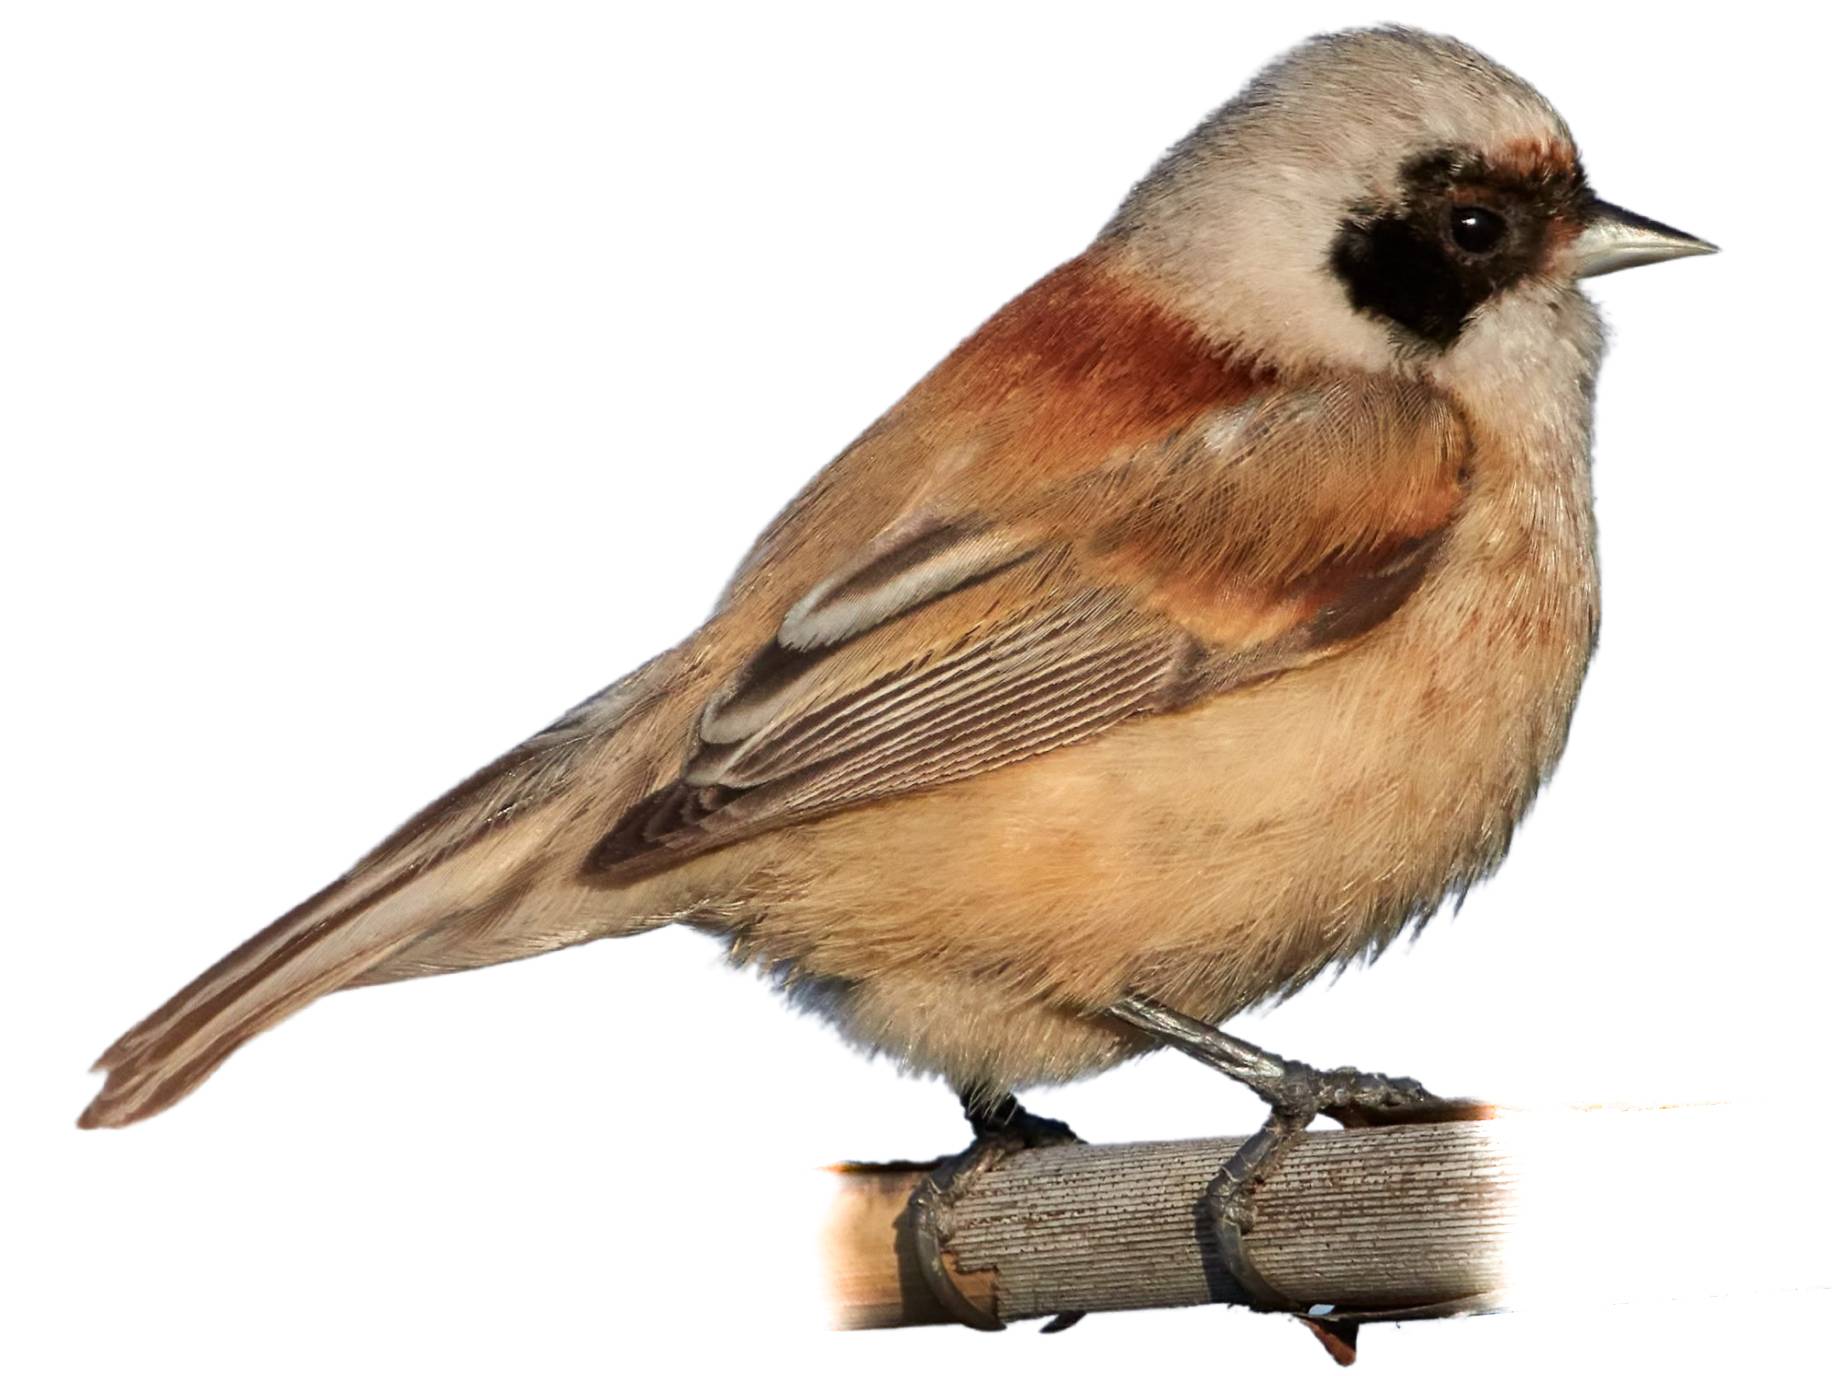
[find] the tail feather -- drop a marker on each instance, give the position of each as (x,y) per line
(343,893)
(319,946)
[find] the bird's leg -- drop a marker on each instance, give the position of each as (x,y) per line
(1295,1093)
(1001,1129)
(1293,1088)
(1008,1126)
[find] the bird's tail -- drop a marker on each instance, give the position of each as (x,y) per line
(477,877)
(324,943)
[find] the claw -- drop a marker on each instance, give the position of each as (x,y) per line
(1000,1132)
(929,1213)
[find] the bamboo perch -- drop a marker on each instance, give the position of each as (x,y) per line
(1476,1215)
(1379,1218)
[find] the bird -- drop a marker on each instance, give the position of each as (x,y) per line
(1207,618)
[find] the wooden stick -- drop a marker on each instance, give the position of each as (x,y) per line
(1554,1209)
(1380,1218)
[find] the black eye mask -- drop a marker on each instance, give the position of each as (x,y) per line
(1461,234)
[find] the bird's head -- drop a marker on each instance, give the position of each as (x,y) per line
(1382,198)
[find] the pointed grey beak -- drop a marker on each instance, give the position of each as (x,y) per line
(1617,238)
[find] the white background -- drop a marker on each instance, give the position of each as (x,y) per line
(380,379)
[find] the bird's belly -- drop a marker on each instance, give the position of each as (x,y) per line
(1211,858)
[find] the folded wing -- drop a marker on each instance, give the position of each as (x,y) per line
(1247,543)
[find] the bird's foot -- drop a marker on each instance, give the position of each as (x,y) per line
(1359,1099)
(1001,1131)
(1354,1098)
(1295,1093)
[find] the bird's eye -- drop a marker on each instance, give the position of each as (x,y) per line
(1477,230)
